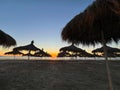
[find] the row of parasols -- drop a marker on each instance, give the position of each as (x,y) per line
(73,51)
(68,51)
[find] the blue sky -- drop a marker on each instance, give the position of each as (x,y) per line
(39,20)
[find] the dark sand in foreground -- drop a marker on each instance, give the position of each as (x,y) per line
(57,75)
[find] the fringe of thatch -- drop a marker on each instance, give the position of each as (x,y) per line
(86,27)
(6,40)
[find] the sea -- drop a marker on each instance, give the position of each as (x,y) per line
(55,58)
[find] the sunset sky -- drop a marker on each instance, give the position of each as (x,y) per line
(41,21)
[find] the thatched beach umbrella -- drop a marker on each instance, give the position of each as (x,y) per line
(29,48)
(86,27)
(112,51)
(100,23)
(14,52)
(6,40)
(72,48)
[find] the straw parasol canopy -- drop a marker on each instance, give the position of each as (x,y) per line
(75,51)
(6,40)
(108,48)
(111,51)
(14,52)
(103,16)
(30,47)
(72,48)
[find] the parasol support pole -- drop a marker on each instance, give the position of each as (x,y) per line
(14,57)
(106,62)
(29,55)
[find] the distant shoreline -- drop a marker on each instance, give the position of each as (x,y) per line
(55,58)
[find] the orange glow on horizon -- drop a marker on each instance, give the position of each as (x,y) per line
(54,55)
(1,54)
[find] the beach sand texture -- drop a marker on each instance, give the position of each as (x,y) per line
(57,75)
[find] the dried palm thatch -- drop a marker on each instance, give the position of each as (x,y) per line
(108,48)
(14,52)
(74,50)
(86,27)
(71,48)
(111,51)
(74,29)
(29,48)
(6,40)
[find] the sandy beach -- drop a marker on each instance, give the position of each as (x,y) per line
(57,75)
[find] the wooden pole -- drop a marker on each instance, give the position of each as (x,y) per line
(106,62)
(14,57)
(29,55)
